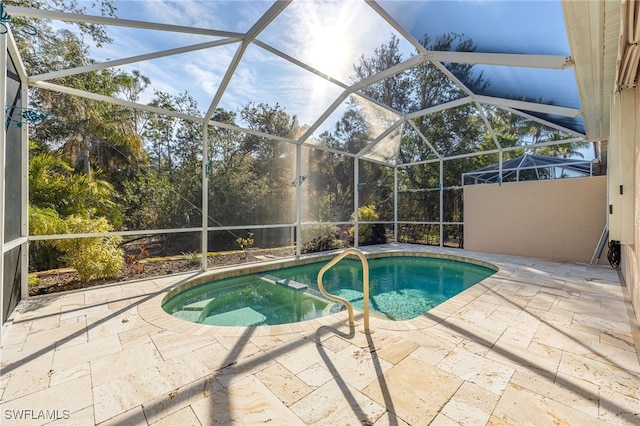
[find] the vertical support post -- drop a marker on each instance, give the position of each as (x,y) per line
(500,159)
(24,201)
(395,203)
(299,200)
(205,193)
(356,200)
(3,135)
(441,203)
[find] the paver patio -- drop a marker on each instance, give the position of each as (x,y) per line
(539,342)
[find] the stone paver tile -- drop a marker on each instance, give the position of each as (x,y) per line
(163,407)
(485,335)
(182,417)
(15,335)
(542,302)
(246,401)
(72,310)
(239,347)
(565,338)
(478,311)
(471,404)
(44,322)
(140,287)
(536,356)
(520,406)
(557,318)
(516,337)
(74,355)
(48,404)
(623,342)
(414,390)
(618,409)
(486,373)
(171,344)
(65,336)
(133,417)
(601,374)
(298,354)
(284,384)
(266,342)
(123,363)
(119,323)
(437,336)
(594,324)
(124,393)
(355,366)
(233,342)
(138,336)
(61,376)
(4,380)
(102,295)
(390,419)
(232,369)
(25,376)
(459,412)
(560,293)
(620,358)
(315,376)
(497,421)
(337,403)
(81,417)
(335,343)
(395,349)
(215,356)
(95,312)
(567,390)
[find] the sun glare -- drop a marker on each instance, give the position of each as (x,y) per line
(329,51)
(328,43)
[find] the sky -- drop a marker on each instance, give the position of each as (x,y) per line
(331,36)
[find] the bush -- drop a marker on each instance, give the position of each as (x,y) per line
(321,243)
(319,238)
(94,257)
(369,233)
(43,254)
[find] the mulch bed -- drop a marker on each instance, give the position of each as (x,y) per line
(67,279)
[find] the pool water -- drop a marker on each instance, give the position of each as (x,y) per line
(400,288)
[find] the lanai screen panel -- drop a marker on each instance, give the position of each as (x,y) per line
(11,274)
(252,180)
(13,154)
(327,186)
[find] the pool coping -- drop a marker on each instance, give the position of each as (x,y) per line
(151,309)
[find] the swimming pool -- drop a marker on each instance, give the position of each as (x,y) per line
(401,288)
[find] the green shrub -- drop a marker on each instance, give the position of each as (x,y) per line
(245,243)
(321,243)
(94,257)
(369,233)
(193,258)
(319,238)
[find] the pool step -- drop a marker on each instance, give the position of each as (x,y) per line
(197,306)
(285,282)
(245,317)
(206,310)
(187,315)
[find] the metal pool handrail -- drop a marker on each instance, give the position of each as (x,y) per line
(365,285)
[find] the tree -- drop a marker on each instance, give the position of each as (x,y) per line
(566,150)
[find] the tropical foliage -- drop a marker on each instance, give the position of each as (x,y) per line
(96,166)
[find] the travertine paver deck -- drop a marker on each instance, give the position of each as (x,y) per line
(539,342)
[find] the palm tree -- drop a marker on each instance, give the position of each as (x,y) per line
(564,150)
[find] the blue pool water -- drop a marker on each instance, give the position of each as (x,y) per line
(401,288)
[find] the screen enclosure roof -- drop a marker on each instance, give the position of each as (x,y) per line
(301,55)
